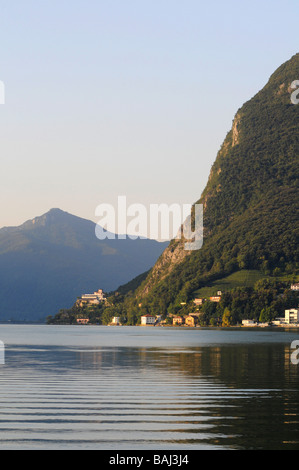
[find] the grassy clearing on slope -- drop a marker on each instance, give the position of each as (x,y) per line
(244,278)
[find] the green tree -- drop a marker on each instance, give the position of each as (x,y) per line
(267,315)
(227,318)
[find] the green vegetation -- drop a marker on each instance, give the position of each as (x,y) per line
(133,284)
(244,278)
(251,204)
(263,302)
(251,224)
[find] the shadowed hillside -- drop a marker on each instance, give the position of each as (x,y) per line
(48,261)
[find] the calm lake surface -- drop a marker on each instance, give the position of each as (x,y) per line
(123,388)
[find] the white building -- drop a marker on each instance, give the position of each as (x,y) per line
(148,320)
(249,323)
(95,296)
(295,286)
(279,321)
(93,299)
(291,315)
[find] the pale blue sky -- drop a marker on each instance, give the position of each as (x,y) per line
(126,97)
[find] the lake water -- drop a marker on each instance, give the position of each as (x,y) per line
(114,388)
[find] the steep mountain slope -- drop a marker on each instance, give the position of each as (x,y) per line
(251,212)
(48,261)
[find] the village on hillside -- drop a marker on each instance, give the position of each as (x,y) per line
(192,319)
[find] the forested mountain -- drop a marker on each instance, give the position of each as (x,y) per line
(251,225)
(251,203)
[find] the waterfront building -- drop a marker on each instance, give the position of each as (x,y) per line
(249,323)
(115,321)
(177,320)
(191,320)
(279,321)
(291,315)
(148,320)
(82,321)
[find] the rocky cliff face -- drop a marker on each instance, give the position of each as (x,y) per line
(173,255)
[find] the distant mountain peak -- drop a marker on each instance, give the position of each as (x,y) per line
(55,210)
(52,217)
(51,259)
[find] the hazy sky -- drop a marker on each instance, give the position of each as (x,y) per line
(126,97)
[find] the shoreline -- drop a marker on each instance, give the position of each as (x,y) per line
(176,327)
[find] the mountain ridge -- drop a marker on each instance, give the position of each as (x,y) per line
(249,221)
(50,260)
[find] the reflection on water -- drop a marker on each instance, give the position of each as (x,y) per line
(232,396)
